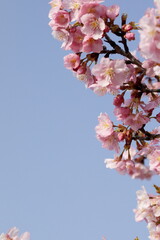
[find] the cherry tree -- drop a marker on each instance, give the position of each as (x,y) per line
(88,28)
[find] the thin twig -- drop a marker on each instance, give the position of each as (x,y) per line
(123,53)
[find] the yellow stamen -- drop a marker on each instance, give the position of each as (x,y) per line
(76,5)
(109,72)
(94,24)
(54,5)
(158,158)
(105,125)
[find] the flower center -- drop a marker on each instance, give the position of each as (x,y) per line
(76,5)
(105,125)
(54,5)
(158,158)
(94,24)
(109,72)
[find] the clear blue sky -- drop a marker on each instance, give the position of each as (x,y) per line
(53,181)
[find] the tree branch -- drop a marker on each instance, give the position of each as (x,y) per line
(123,53)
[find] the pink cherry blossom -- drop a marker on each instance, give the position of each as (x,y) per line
(92,26)
(105,127)
(152,68)
(143,205)
(136,121)
(142,172)
(92,45)
(113,73)
(72,4)
(110,142)
(148,65)
(60,19)
(93,8)
(83,74)
(76,42)
(111,162)
(62,34)
(122,113)
(71,61)
(156,70)
(157,3)
(148,209)
(154,161)
(149,36)
(99,87)
(152,104)
(126,165)
(112,11)
(55,7)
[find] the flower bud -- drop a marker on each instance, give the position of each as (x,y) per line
(118,100)
(121,136)
(130,36)
(127,27)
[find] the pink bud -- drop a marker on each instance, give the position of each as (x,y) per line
(106,29)
(118,100)
(121,136)
(130,36)
(127,27)
(82,69)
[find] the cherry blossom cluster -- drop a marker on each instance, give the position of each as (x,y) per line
(148,209)
(150,36)
(13,234)
(86,27)
(80,24)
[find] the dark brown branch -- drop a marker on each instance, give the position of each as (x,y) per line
(120,51)
(146,138)
(152,90)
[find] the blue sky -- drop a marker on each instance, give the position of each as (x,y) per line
(53,180)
